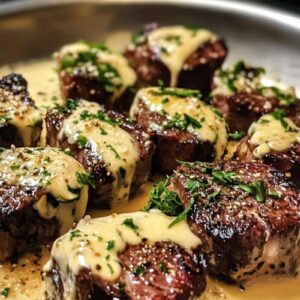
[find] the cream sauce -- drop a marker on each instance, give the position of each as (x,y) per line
(117,61)
(213,127)
(24,280)
(114,145)
(269,134)
(175,44)
(23,116)
(53,170)
(98,241)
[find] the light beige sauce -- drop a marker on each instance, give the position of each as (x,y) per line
(110,142)
(270,134)
(126,73)
(175,44)
(24,280)
(213,128)
(55,172)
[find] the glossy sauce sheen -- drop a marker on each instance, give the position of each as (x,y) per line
(213,128)
(175,44)
(24,281)
(55,172)
(113,144)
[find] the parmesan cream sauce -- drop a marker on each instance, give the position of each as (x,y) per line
(114,145)
(213,127)
(89,248)
(269,134)
(52,170)
(126,73)
(175,44)
(23,279)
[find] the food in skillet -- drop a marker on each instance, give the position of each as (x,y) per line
(243,94)
(42,192)
(274,139)
(179,56)
(111,147)
(126,256)
(20,120)
(93,72)
(245,214)
(183,127)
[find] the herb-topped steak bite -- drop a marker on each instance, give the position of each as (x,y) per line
(41,195)
(182,126)
(92,72)
(127,256)
(245,214)
(20,120)
(275,140)
(243,94)
(114,150)
(179,56)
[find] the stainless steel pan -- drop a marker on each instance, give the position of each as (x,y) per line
(260,35)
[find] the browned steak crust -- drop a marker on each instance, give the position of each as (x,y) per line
(241,109)
(101,194)
(287,161)
(21,227)
(197,72)
(173,145)
(247,219)
(156,272)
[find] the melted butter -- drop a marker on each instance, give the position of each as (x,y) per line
(114,145)
(53,170)
(269,134)
(213,128)
(90,247)
(117,61)
(176,44)
(19,114)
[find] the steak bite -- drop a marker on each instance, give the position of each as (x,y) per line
(275,140)
(42,192)
(20,120)
(246,215)
(177,55)
(127,256)
(243,94)
(93,72)
(183,127)
(114,150)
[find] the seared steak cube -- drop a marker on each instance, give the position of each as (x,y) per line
(275,140)
(92,72)
(243,94)
(246,215)
(114,150)
(182,126)
(128,256)
(177,55)
(42,192)
(20,120)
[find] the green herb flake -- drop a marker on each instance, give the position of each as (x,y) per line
(139,270)
(110,147)
(110,245)
(237,135)
(5,292)
(129,223)
(74,234)
(15,167)
(111,270)
(85,179)
(163,268)
(82,141)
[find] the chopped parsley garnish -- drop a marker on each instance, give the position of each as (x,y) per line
(279,115)
(285,99)
(183,215)
(122,172)
(85,178)
(256,189)
(224,177)
(110,147)
(180,93)
(103,131)
(69,106)
(173,38)
(163,268)
(74,234)
(237,135)
(165,100)
(139,270)
(82,141)
(5,118)
(110,245)
(111,270)
(5,292)
(182,122)
(100,46)
(101,115)
(129,223)
(162,198)
(15,167)
(138,38)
